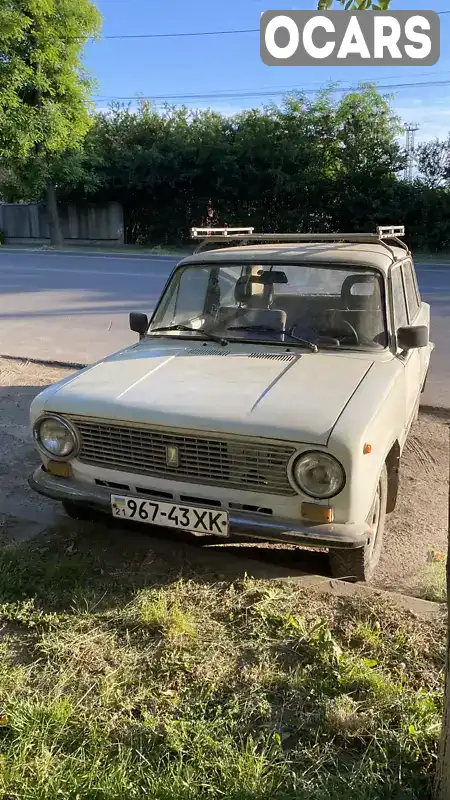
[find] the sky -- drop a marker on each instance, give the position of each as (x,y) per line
(228,68)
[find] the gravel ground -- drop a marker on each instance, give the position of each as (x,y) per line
(419,521)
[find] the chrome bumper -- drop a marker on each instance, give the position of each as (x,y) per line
(256,526)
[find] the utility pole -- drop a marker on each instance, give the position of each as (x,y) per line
(411,128)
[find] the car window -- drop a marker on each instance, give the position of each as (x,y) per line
(410,287)
(182,300)
(311,280)
(398,296)
(340,307)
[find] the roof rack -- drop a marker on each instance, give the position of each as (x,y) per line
(196,233)
(384,234)
(387,231)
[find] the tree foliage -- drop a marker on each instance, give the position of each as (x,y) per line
(355,5)
(44,90)
(433,162)
(308,165)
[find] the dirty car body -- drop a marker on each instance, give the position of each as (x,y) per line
(270,394)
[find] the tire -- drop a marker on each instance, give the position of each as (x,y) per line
(359,565)
(79,511)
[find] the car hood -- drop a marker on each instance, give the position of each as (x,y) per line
(295,396)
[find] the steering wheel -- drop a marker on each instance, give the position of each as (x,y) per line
(332,339)
(352,329)
(329,338)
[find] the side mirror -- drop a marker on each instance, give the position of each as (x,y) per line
(412,337)
(138,323)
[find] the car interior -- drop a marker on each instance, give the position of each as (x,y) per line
(354,316)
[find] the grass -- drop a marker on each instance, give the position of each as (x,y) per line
(121,679)
(434,580)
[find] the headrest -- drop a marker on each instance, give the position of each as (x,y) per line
(359,291)
(245,294)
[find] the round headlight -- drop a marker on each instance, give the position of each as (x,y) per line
(55,437)
(319,475)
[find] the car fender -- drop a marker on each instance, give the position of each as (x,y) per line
(370,425)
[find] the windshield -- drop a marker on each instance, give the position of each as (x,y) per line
(326,306)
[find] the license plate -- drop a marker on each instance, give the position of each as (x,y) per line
(199,520)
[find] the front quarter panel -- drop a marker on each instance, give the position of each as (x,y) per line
(376,416)
(40,402)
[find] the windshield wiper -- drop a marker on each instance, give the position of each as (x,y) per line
(187,328)
(263,329)
(313,347)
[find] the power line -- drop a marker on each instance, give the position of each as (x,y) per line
(196,33)
(230,95)
(280,89)
(178,35)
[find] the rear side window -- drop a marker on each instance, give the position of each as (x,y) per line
(398,294)
(410,288)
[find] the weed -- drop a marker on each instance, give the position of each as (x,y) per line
(434,580)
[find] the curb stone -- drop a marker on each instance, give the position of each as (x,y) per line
(45,362)
(336,588)
(153,255)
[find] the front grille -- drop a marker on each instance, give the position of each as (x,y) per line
(201,459)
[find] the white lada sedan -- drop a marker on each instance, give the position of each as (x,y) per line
(270,394)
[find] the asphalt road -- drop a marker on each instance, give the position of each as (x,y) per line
(74,306)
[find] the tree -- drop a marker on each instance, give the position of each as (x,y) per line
(310,164)
(44,90)
(433,162)
(355,5)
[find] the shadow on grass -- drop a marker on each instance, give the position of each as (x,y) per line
(115,559)
(152,674)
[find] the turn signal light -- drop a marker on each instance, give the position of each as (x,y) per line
(59,468)
(317,513)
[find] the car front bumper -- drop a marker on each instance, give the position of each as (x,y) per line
(257,526)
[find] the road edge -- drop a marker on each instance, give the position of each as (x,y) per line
(45,362)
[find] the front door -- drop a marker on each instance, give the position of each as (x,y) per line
(418,312)
(411,360)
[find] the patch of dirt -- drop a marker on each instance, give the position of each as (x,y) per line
(20,382)
(420,518)
(419,521)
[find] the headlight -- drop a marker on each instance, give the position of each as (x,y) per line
(319,475)
(55,437)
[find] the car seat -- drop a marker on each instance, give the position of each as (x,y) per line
(359,311)
(245,295)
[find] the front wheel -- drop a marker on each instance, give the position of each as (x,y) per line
(360,564)
(79,511)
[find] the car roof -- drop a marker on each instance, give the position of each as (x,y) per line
(377,256)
